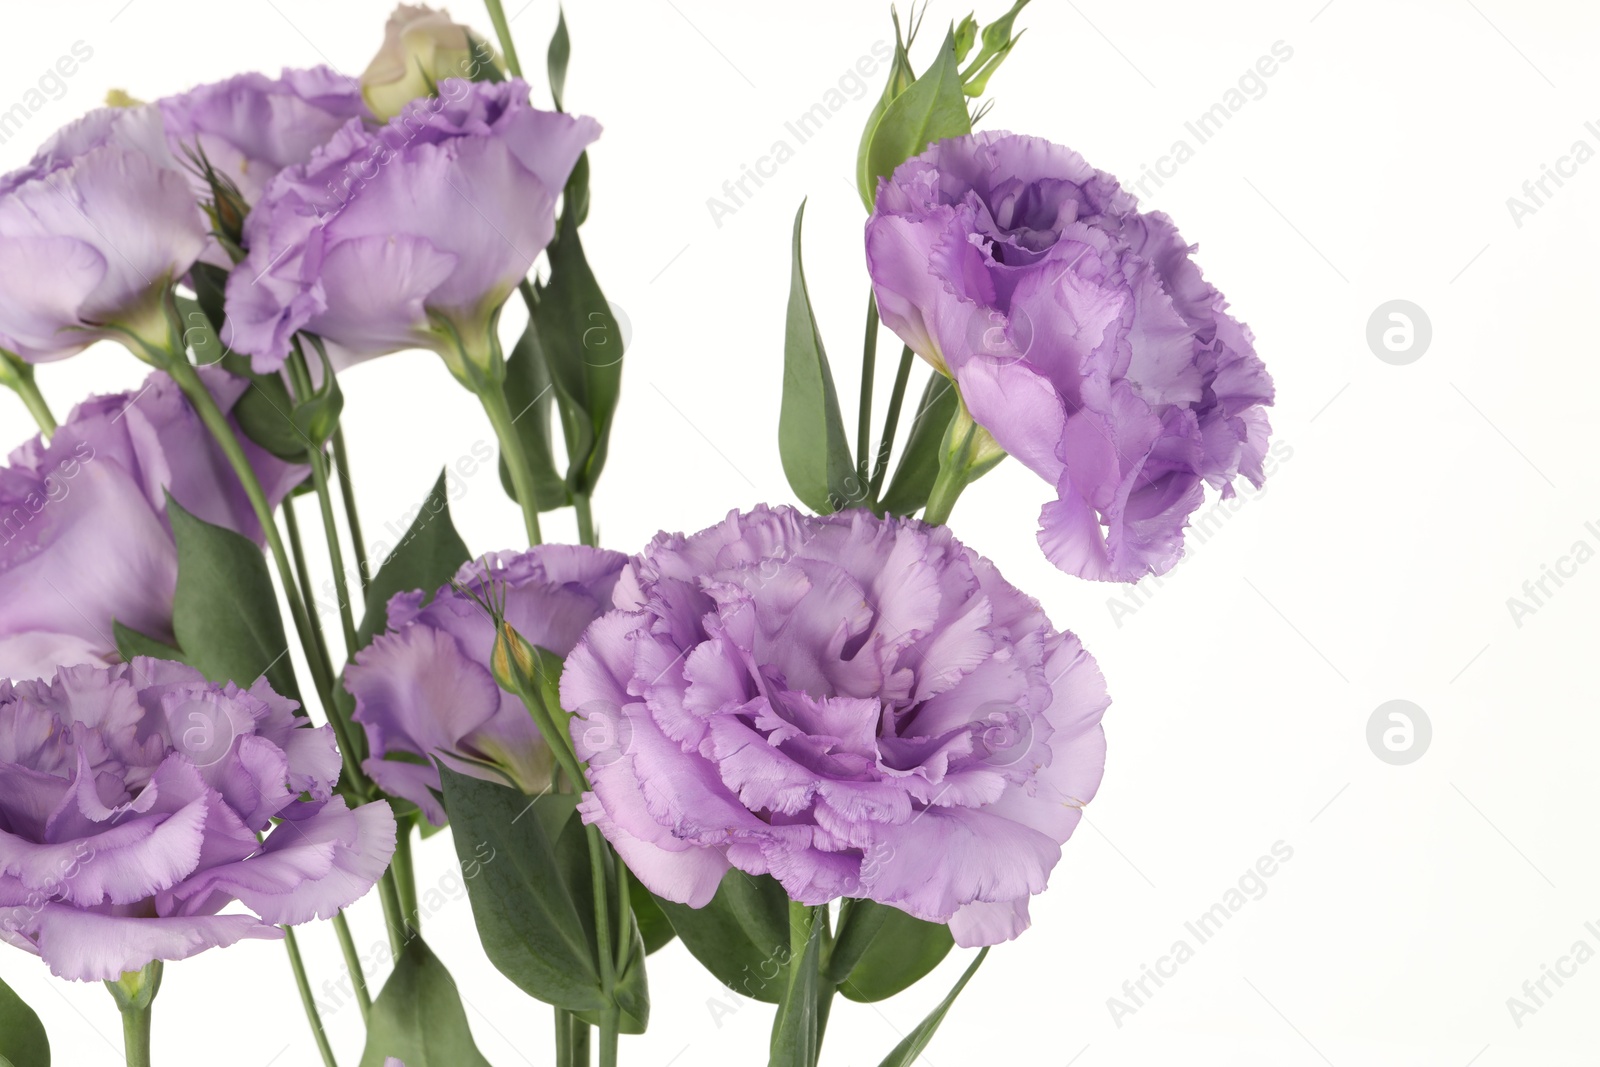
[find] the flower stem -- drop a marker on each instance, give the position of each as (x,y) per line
(581,504)
(318,459)
(18,374)
(341,462)
(136,1037)
(502,30)
(406,877)
(891,423)
(947,488)
(869,364)
(307,1001)
(493,397)
(352,964)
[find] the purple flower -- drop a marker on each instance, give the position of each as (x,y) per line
(411,235)
(251,126)
(859,707)
(139,802)
(1080,335)
(92,233)
(84,539)
(426,688)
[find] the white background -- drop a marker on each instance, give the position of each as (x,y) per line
(1376,565)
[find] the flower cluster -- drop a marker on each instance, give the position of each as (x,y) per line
(142,800)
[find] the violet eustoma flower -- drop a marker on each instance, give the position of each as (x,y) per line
(411,235)
(84,539)
(1080,334)
(427,688)
(859,707)
(139,802)
(93,231)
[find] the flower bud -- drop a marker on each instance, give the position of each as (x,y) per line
(514,662)
(421,48)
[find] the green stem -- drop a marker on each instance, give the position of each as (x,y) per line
(493,398)
(581,503)
(291,522)
(341,462)
(502,30)
(18,374)
(318,459)
(352,964)
(869,363)
(892,423)
(393,913)
(307,1001)
(406,877)
(581,1034)
(942,497)
(136,1037)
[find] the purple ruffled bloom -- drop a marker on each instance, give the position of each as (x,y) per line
(139,802)
(92,231)
(84,538)
(1080,334)
(860,707)
(251,126)
(426,688)
(396,237)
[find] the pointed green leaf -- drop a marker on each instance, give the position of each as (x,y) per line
(742,936)
(225,611)
(527,889)
(811,436)
(531,397)
(22,1038)
(131,643)
(429,557)
(654,927)
(419,1018)
(932,109)
(906,1052)
(797,1028)
(919,461)
(901,77)
(583,348)
(560,52)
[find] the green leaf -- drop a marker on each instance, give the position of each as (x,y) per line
(22,1038)
(560,52)
(131,643)
(903,951)
(797,1028)
(583,348)
(419,1018)
(906,1052)
(654,927)
(811,436)
(997,45)
(932,109)
(530,395)
(919,462)
(225,611)
(901,76)
(527,886)
(742,936)
(426,559)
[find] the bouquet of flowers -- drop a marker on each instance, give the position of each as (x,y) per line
(823,745)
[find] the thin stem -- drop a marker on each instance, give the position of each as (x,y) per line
(352,964)
(581,504)
(318,459)
(892,422)
(18,374)
(406,877)
(582,1034)
(869,364)
(307,1001)
(563,1038)
(493,398)
(297,550)
(947,488)
(341,462)
(136,1037)
(393,913)
(502,30)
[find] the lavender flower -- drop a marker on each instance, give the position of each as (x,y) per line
(1080,334)
(140,801)
(427,688)
(412,235)
(84,540)
(93,231)
(859,707)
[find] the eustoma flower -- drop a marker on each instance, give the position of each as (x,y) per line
(84,540)
(427,687)
(859,707)
(93,232)
(421,48)
(410,235)
(141,802)
(1080,335)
